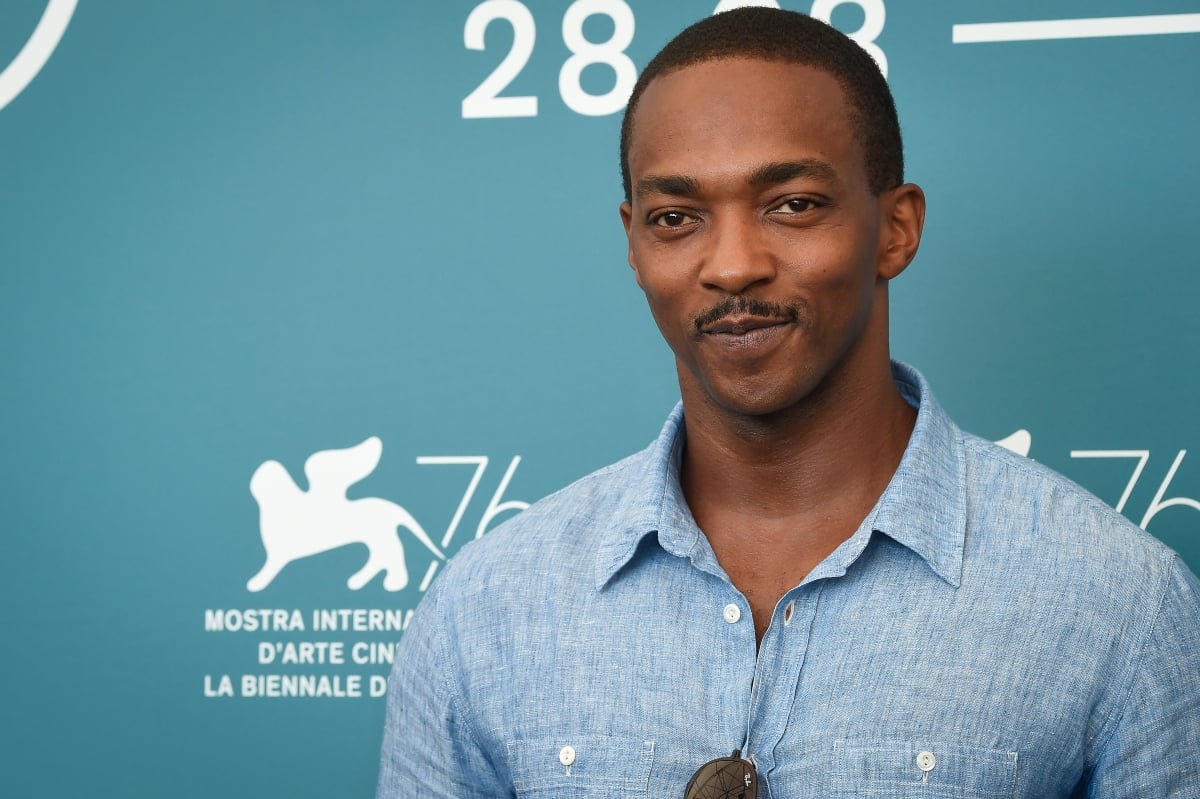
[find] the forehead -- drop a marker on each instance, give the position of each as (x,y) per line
(729,116)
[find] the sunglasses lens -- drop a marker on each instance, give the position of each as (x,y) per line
(726,778)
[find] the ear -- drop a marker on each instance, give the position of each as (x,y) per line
(627,220)
(903,218)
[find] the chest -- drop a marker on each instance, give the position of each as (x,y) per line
(883,692)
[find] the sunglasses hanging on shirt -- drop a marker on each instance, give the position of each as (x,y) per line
(724,778)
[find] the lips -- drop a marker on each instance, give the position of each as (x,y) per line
(743,336)
(739,325)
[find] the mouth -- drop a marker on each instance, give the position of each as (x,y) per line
(747,336)
(741,325)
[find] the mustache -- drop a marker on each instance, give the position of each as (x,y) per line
(737,304)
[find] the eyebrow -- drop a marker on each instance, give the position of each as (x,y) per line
(783,171)
(673,185)
(763,176)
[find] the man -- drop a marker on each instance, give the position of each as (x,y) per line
(812,568)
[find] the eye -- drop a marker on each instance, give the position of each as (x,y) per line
(671,219)
(796,205)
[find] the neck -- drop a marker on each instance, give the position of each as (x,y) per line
(825,459)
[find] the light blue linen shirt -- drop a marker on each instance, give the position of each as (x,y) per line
(991,630)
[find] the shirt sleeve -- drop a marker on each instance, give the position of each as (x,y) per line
(429,749)
(1154,749)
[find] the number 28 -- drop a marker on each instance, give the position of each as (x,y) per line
(485,101)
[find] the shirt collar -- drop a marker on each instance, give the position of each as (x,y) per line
(923,508)
(652,500)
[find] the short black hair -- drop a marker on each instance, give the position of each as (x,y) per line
(770,34)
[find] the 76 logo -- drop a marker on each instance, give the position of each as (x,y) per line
(1160,502)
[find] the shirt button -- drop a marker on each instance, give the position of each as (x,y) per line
(926,761)
(732,613)
(566,755)
(788,611)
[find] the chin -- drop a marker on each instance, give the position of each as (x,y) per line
(759,393)
(761,403)
(766,394)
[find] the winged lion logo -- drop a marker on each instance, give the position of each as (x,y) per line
(296,524)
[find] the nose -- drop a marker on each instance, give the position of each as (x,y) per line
(738,256)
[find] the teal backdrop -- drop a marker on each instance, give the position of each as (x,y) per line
(236,234)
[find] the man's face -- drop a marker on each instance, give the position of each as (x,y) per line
(753,231)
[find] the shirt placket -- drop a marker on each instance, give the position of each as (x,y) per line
(733,692)
(781,658)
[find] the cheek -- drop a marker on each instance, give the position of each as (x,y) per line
(668,306)
(667,315)
(850,297)
(844,266)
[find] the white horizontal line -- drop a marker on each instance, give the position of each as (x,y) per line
(972,33)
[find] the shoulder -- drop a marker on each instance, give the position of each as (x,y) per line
(1021,510)
(1052,557)
(1047,507)
(555,536)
